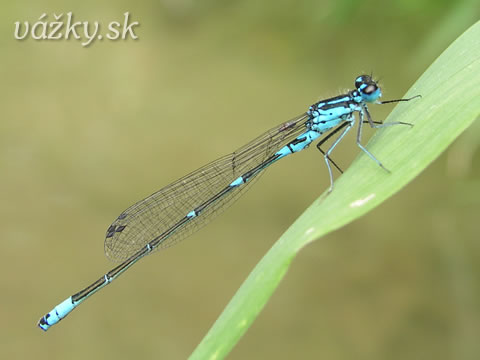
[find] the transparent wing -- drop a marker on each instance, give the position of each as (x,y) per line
(151,217)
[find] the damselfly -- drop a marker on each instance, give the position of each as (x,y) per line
(181,208)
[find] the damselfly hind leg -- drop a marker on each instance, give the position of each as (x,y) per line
(326,156)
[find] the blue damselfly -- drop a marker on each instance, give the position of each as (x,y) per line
(181,208)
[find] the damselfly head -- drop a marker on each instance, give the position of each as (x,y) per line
(368,88)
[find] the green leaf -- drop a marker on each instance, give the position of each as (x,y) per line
(450,102)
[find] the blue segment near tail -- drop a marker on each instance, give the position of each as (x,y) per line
(181,208)
(57,314)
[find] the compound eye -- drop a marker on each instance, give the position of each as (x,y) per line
(359,81)
(362,80)
(370,89)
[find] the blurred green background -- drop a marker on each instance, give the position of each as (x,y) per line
(86,132)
